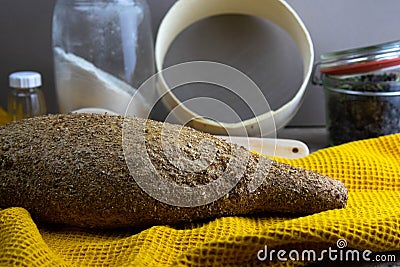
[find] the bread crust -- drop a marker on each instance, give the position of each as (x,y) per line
(72,169)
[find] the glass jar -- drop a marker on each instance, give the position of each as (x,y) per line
(362,92)
(103,51)
(25,98)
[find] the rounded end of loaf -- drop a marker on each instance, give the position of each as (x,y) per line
(288,189)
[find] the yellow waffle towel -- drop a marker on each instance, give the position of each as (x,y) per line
(370,169)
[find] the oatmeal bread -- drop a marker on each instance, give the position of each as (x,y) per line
(83,170)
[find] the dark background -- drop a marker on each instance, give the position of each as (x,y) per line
(25,41)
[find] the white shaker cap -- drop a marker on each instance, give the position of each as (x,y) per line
(25,79)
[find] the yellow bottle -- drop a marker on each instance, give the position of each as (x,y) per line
(25,99)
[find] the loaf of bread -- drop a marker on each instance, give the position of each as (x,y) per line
(86,170)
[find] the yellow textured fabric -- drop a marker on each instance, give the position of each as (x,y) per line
(370,169)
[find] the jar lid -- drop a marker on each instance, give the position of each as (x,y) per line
(25,79)
(361,60)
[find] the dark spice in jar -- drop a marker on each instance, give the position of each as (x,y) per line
(362,106)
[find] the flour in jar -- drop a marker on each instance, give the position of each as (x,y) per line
(80,84)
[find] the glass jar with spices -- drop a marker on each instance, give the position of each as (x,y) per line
(25,98)
(362,92)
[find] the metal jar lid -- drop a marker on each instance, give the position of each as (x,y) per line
(361,60)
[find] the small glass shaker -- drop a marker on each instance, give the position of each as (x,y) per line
(25,98)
